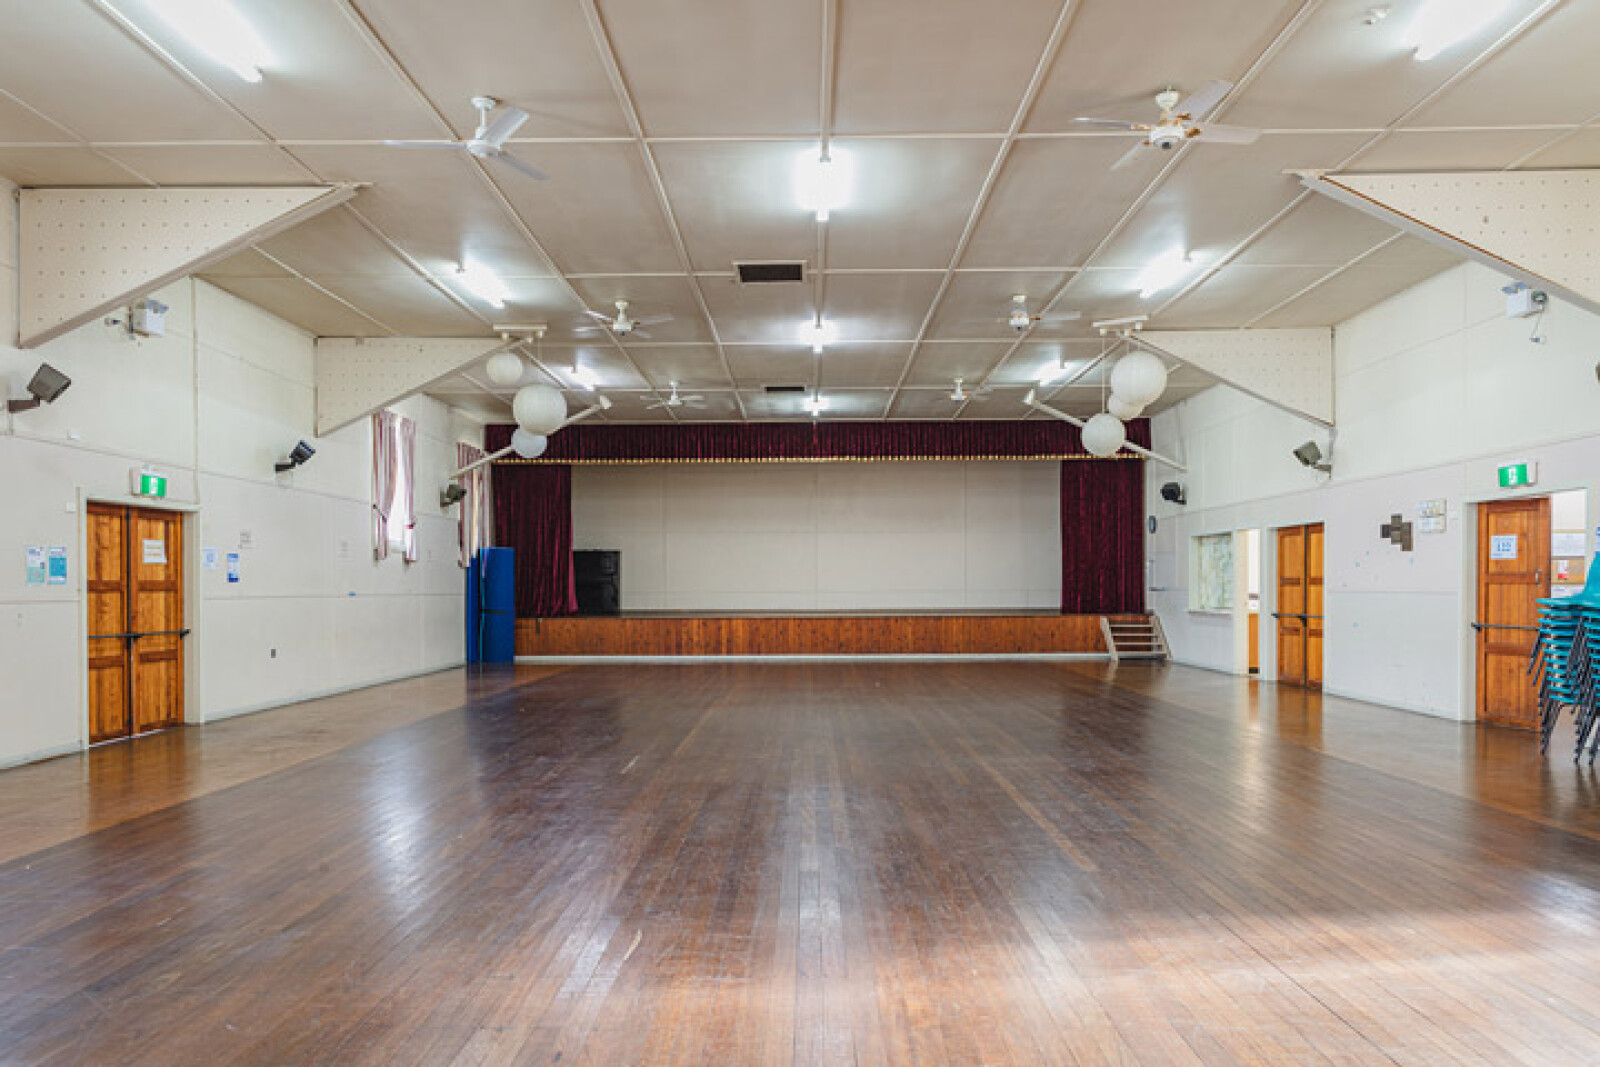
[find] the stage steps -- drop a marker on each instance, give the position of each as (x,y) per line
(1134,637)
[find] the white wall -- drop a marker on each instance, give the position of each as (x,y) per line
(831,536)
(213,404)
(1434,388)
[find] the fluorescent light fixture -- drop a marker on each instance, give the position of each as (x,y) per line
(1055,373)
(1441,24)
(818,334)
(817,405)
(483,283)
(1163,272)
(218,30)
(823,182)
(585,377)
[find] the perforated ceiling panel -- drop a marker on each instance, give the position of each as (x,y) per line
(86,251)
(1292,369)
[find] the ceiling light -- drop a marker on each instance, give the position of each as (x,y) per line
(1055,373)
(1440,24)
(483,283)
(1163,272)
(818,334)
(817,405)
(585,377)
(823,180)
(214,27)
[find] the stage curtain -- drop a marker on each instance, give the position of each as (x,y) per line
(1102,538)
(533,516)
(745,442)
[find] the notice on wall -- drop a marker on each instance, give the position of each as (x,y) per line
(56,563)
(36,565)
(1566,571)
(1567,543)
(155,551)
(210,559)
(1503,546)
(233,568)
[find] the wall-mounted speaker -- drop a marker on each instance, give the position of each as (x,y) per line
(1172,492)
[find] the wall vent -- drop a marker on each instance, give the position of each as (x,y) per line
(779,389)
(770,272)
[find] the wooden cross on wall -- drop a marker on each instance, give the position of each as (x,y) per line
(1397,531)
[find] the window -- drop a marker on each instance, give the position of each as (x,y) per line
(394,518)
(1211,573)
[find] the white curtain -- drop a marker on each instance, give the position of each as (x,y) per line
(406,464)
(473,527)
(383,476)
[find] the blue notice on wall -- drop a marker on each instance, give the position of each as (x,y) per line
(58,564)
(233,568)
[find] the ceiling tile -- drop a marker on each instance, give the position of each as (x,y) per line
(978,303)
(647,297)
(879,307)
(691,366)
(246,264)
(406,304)
(771,314)
(1319,232)
(202,164)
(1450,150)
(1375,279)
(938,365)
(19,124)
(293,299)
(863,365)
(911,202)
(1236,294)
(31,167)
(1582,149)
(735,201)
(335,244)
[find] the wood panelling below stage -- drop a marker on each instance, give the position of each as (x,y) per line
(810,635)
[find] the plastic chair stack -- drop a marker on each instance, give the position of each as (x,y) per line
(1566,658)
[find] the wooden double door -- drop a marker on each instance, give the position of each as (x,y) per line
(136,623)
(1299,611)
(1513,573)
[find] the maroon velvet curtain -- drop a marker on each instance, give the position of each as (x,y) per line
(710,442)
(533,517)
(1102,538)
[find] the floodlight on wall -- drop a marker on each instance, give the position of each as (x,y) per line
(1310,456)
(44,387)
(299,454)
(451,494)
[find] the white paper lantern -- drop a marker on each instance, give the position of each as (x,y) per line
(539,409)
(529,445)
(1103,435)
(1139,378)
(1122,409)
(504,368)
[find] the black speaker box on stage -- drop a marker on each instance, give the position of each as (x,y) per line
(597,574)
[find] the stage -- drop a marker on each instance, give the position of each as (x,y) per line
(874,633)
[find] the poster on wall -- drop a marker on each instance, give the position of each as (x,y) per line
(1503,546)
(57,564)
(209,559)
(1567,543)
(233,568)
(36,566)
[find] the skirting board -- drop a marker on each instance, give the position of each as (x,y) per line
(41,755)
(322,694)
(909,657)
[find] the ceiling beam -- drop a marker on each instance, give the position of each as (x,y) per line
(1539,227)
(77,262)
(356,376)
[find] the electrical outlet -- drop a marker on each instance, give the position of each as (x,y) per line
(274,654)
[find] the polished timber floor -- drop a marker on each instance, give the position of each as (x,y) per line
(942,864)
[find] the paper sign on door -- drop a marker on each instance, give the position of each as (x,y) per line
(155,551)
(1503,546)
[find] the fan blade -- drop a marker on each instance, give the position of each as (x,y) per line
(1132,154)
(595,315)
(1198,104)
(1229,134)
(652,320)
(504,125)
(636,332)
(1112,124)
(452,145)
(502,156)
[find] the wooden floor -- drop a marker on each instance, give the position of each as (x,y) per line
(732,864)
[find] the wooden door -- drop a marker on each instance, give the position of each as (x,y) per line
(1513,573)
(107,577)
(1292,605)
(135,589)
(1313,619)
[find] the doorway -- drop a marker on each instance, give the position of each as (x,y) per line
(1299,613)
(136,623)
(1513,573)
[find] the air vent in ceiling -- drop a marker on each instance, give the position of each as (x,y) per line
(785,389)
(771,272)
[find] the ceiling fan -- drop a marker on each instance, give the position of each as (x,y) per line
(676,401)
(1022,320)
(961,394)
(622,324)
(1182,120)
(488,141)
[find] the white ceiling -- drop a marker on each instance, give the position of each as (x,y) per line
(669,129)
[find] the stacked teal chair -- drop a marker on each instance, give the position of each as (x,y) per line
(1566,662)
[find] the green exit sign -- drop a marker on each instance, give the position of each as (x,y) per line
(149,483)
(1513,475)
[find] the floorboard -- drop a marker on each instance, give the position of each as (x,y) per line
(864,863)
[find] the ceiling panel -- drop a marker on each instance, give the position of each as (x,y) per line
(63,167)
(1237,294)
(922,404)
(406,304)
(293,299)
(213,164)
(759,313)
(1450,150)
(757,366)
(433,204)
(634,407)
(535,54)
(1563,41)
(1338,72)
(936,65)
(995,404)
(938,365)
(246,264)
(863,365)
(691,366)
(879,307)
(762,75)
(1032,363)
(324,82)
(335,244)
(978,303)
(842,366)
(598,213)
(19,124)
(1582,149)
(612,368)
(485,408)
(735,201)
(647,297)
(712,407)
(1055,201)
(1375,279)
(911,202)
(1319,232)
(1120,53)
(115,91)
(842,404)
(1104,294)
(1218,194)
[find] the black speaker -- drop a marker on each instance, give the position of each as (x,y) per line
(597,574)
(1172,492)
